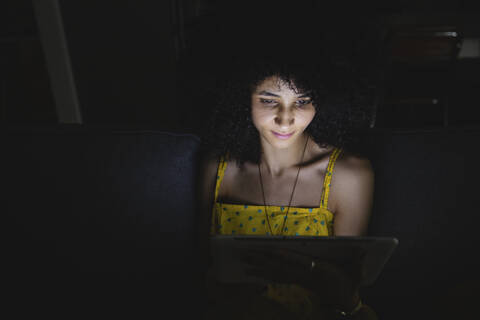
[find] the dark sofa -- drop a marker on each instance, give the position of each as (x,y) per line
(100,222)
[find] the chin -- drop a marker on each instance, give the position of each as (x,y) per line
(281,145)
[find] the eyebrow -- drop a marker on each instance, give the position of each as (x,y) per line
(266,93)
(304,95)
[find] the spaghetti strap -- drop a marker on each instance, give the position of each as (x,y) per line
(328,178)
(222,165)
(220,173)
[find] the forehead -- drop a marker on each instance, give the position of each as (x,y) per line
(276,84)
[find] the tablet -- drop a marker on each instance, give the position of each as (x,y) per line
(227,266)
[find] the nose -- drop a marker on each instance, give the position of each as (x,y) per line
(284,118)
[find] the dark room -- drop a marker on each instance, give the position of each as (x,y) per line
(206,159)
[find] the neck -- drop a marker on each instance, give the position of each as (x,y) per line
(277,161)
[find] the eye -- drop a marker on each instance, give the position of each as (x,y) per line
(268,102)
(303,102)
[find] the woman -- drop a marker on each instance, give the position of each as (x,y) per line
(276,165)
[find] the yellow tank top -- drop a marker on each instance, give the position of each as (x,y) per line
(246,219)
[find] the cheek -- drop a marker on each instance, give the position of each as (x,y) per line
(259,118)
(306,118)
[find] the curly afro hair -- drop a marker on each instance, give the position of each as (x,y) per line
(338,85)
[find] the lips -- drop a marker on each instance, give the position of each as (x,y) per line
(283,136)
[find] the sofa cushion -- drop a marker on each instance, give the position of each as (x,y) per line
(97,216)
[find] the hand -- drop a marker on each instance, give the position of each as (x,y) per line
(334,283)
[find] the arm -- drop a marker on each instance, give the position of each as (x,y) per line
(352,199)
(351,195)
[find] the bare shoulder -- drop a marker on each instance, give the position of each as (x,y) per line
(352,166)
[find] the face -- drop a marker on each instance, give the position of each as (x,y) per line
(280,114)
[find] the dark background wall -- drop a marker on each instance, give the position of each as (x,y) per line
(25,93)
(150,63)
(123,60)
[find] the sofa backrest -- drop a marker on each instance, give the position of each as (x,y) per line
(94,193)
